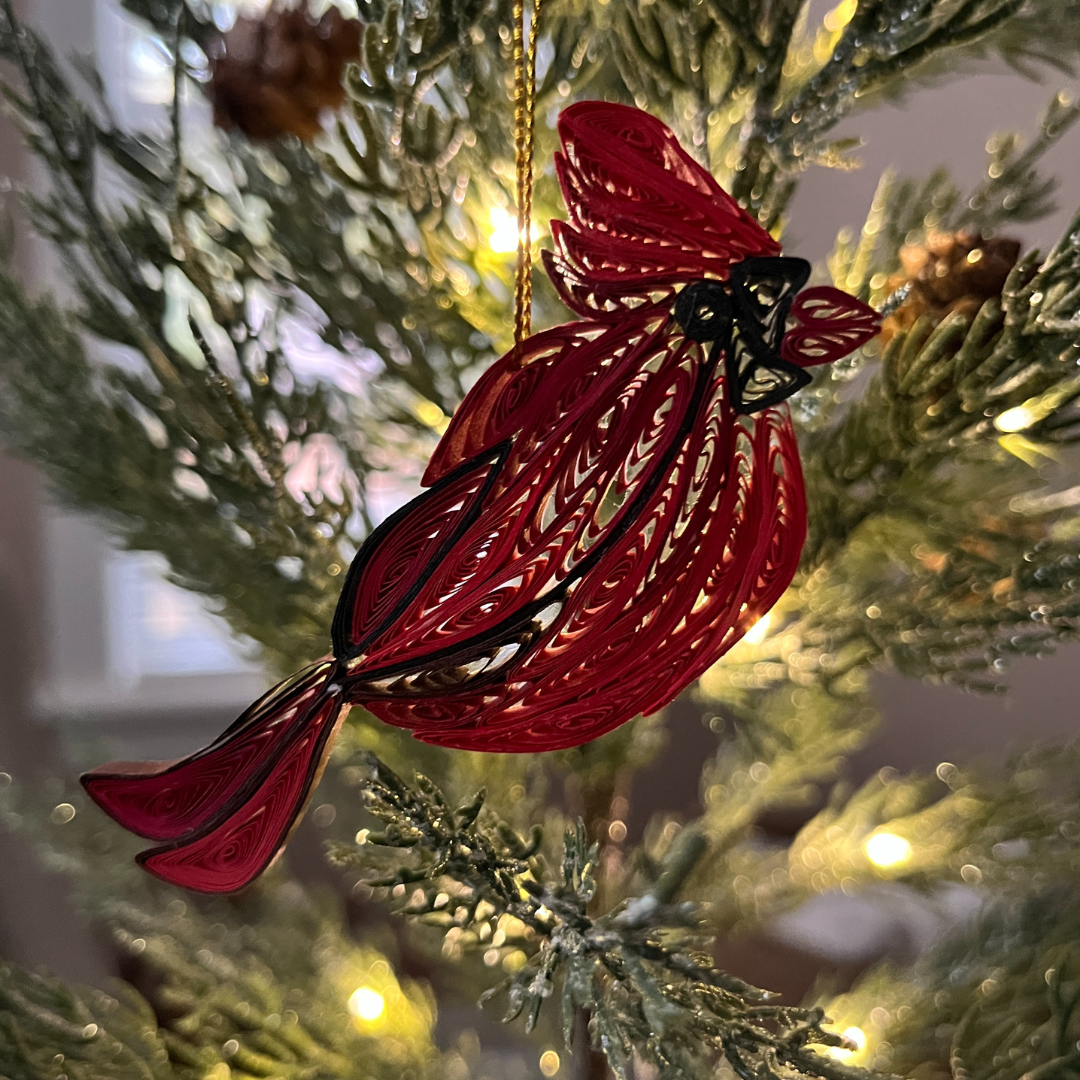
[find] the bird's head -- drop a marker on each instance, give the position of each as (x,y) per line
(647,225)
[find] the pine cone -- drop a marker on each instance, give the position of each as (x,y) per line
(950,272)
(275,75)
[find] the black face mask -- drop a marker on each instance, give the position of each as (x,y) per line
(746,317)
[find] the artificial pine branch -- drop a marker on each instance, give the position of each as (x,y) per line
(953,416)
(1010,1007)
(244,987)
(48,1029)
(639,971)
(997,997)
(964,826)
(235,424)
(328,237)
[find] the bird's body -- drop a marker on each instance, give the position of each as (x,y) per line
(613,528)
(613,505)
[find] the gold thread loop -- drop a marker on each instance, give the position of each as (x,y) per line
(524,126)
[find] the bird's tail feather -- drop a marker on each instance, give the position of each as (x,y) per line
(227,810)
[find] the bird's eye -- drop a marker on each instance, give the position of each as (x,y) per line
(703,310)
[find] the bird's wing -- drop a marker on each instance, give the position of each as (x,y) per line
(390,569)
(713,550)
(545,434)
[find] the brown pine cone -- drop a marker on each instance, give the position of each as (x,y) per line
(275,74)
(949,272)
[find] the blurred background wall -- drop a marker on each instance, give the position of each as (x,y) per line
(99,656)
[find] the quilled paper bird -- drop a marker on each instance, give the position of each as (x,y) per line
(613,505)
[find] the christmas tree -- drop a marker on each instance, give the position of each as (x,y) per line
(273,303)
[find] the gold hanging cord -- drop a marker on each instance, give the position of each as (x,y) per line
(524,109)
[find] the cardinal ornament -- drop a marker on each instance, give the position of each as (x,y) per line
(614,504)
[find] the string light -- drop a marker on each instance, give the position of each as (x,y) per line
(503,237)
(367,1004)
(756,634)
(1018,419)
(504,231)
(886,850)
(549,1063)
(1035,410)
(856,1037)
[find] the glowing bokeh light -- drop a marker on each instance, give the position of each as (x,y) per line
(886,849)
(1018,419)
(856,1039)
(367,1004)
(756,634)
(549,1063)
(841,15)
(857,1036)
(504,231)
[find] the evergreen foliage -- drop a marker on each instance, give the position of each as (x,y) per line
(259,985)
(257,341)
(642,971)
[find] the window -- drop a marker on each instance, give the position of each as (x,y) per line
(157,628)
(131,655)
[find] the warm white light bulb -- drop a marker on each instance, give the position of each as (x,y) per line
(857,1036)
(756,634)
(504,231)
(886,849)
(1018,419)
(367,1004)
(549,1063)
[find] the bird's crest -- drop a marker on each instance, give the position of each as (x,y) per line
(643,216)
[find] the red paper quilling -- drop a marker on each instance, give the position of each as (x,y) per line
(613,505)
